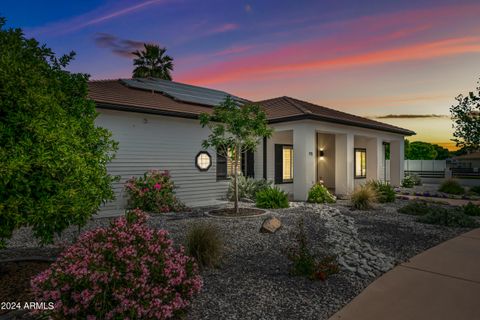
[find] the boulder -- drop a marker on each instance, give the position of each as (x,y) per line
(270,225)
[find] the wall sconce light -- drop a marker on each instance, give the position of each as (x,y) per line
(321,154)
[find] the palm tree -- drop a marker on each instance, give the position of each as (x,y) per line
(152,62)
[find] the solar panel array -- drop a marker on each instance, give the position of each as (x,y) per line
(182,92)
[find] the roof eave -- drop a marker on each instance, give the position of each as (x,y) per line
(346,122)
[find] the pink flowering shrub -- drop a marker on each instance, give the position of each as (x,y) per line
(125,271)
(154,192)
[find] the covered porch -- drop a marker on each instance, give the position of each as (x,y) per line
(302,153)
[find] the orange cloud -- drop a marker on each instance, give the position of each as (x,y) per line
(271,63)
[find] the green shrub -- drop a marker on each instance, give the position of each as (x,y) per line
(205,244)
(304,262)
(272,198)
(53,157)
(153,192)
(384,191)
(449,218)
(475,189)
(471,209)
(363,198)
(408,182)
(415,208)
(451,186)
(416,179)
(247,187)
(319,194)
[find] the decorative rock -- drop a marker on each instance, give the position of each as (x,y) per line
(270,225)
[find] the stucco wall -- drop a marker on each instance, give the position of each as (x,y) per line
(326,166)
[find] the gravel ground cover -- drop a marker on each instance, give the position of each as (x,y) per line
(253,280)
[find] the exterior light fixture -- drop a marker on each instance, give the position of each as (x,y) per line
(203,161)
(321,154)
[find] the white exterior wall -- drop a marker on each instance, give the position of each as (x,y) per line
(344,172)
(158,142)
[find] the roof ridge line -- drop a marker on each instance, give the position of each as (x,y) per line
(296,105)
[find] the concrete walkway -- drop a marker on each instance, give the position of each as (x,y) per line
(442,283)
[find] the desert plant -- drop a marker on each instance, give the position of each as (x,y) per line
(415,208)
(272,198)
(363,198)
(153,192)
(318,193)
(53,155)
(408,182)
(475,189)
(383,190)
(416,179)
(448,218)
(247,187)
(304,262)
(124,271)
(205,244)
(471,209)
(451,186)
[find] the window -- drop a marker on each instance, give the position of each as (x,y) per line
(203,161)
(360,163)
(283,163)
(225,166)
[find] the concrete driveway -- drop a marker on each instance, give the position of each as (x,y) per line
(442,283)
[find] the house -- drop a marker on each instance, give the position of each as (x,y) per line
(156,124)
(469,160)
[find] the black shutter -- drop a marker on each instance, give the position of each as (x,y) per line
(221,167)
(278,163)
(250,167)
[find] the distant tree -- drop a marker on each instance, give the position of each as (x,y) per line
(52,155)
(419,150)
(442,153)
(152,62)
(406,149)
(234,130)
(466,120)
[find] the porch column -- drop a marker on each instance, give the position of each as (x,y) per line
(374,159)
(344,144)
(397,155)
(304,155)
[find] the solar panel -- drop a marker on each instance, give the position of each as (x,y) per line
(182,92)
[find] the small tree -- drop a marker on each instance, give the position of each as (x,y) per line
(234,130)
(52,156)
(466,120)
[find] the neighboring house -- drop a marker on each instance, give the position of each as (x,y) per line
(156,125)
(469,160)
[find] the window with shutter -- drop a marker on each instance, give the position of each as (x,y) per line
(283,163)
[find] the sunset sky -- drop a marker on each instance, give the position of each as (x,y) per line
(371,58)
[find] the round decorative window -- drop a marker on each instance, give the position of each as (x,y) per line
(203,161)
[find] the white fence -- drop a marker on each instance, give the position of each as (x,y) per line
(423,168)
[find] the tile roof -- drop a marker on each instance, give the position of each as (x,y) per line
(115,94)
(286,108)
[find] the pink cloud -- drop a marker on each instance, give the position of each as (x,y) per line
(224,28)
(270,63)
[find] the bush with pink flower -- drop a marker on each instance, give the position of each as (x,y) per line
(125,271)
(153,192)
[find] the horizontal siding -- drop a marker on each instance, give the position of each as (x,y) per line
(157,142)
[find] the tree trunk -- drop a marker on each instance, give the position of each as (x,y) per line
(236,179)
